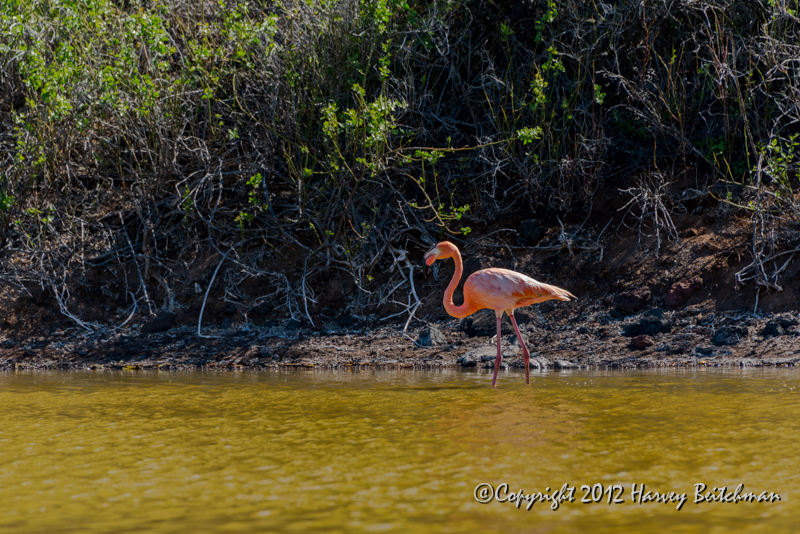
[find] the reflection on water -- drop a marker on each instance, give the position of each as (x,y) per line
(392,451)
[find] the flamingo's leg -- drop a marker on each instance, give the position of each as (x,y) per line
(525,354)
(499,359)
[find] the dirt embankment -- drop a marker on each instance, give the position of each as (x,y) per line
(635,308)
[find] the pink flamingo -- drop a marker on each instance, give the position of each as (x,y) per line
(499,289)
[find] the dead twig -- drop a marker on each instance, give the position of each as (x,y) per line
(205,298)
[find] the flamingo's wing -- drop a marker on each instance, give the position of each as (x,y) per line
(501,289)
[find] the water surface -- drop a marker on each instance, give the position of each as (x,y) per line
(391,451)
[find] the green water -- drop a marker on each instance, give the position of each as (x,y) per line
(393,451)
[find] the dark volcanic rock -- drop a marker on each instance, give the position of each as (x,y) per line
(650,323)
(531,231)
(514,342)
(642,342)
(632,300)
(292,324)
(701,351)
(773,328)
(729,335)
(786,321)
(616,313)
(467,361)
(161,322)
(680,292)
(430,336)
(522,317)
(484,323)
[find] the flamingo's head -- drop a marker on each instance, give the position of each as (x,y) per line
(439,252)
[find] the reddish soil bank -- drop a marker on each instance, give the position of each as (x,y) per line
(701,316)
(620,320)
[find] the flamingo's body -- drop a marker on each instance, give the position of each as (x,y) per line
(498,289)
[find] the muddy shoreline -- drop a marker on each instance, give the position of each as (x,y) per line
(558,338)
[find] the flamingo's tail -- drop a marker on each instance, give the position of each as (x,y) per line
(558,293)
(541,292)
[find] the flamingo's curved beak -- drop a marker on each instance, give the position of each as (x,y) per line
(430,257)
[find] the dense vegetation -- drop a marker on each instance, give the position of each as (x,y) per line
(141,135)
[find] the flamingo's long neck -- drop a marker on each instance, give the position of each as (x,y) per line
(467,308)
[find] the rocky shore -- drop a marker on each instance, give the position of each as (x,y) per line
(572,336)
